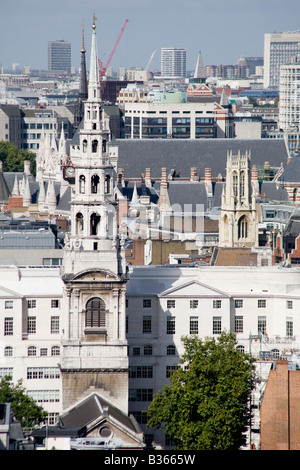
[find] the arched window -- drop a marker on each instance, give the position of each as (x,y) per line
(8,351)
(55,351)
(94,184)
(241,348)
(235,183)
(84,146)
(82,184)
(79,223)
(95,313)
(95,220)
(95,146)
(104,146)
(107,184)
(31,351)
(243,227)
(242,183)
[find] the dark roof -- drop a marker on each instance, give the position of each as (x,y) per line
(135,155)
(291,172)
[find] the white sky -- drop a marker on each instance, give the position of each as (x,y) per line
(223,30)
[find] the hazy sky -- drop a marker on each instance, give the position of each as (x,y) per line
(223,30)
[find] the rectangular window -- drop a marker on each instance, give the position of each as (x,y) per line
(54,325)
(141,394)
(217,325)
(239,324)
(54,303)
(31,303)
(217,303)
(140,416)
(141,372)
(44,352)
(6,372)
(9,304)
(193,325)
(8,326)
(262,325)
(31,325)
(289,304)
(170,325)
(170,303)
(136,351)
(193,303)
(289,327)
(170,370)
(238,303)
(146,303)
(147,324)
(261,303)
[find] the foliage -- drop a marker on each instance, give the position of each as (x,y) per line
(23,406)
(13,159)
(207,406)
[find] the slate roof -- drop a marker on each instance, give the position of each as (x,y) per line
(135,155)
(291,172)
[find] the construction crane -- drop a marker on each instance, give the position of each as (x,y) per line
(150,60)
(104,68)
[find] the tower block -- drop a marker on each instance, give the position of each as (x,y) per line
(94,356)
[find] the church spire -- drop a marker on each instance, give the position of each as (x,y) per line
(83,89)
(94,78)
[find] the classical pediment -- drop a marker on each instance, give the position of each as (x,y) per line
(90,275)
(193,289)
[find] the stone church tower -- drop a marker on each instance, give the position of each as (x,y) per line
(238,220)
(94,355)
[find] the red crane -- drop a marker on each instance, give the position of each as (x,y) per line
(103,69)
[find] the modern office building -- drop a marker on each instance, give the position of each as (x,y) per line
(279,49)
(59,56)
(289,94)
(173,62)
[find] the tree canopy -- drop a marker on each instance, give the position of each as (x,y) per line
(23,406)
(206,405)
(13,159)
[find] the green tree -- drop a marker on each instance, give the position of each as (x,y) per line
(206,406)
(23,406)
(13,159)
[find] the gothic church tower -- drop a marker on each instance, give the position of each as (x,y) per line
(94,357)
(238,220)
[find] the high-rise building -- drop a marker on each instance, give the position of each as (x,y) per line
(173,62)
(279,49)
(59,56)
(289,94)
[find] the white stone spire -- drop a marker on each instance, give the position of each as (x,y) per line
(94,78)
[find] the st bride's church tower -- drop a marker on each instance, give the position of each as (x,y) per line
(94,357)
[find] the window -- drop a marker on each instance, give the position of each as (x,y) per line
(239,324)
(193,303)
(217,325)
(289,327)
(141,372)
(148,350)
(262,325)
(147,324)
(54,303)
(136,351)
(8,351)
(8,326)
(140,416)
(31,303)
(146,303)
(141,394)
(31,325)
(44,352)
(95,313)
(43,373)
(171,350)
(170,370)
(193,325)
(31,351)
(55,351)
(238,303)
(170,303)
(243,227)
(54,325)
(217,303)
(6,372)
(170,325)
(44,396)
(261,303)
(9,304)
(241,348)
(289,304)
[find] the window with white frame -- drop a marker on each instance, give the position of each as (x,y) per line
(217,325)
(8,351)
(170,370)
(147,324)
(31,303)
(217,303)
(193,303)
(31,351)
(54,325)
(31,325)
(171,350)
(193,325)
(8,326)
(262,325)
(238,324)
(170,325)
(289,327)
(54,303)
(6,372)
(238,303)
(55,351)
(261,303)
(146,303)
(170,303)
(289,304)
(9,304)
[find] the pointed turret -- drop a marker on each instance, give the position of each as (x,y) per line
(83,88)
(199,74)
